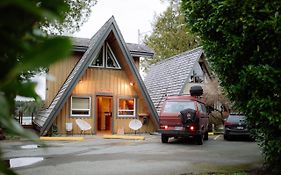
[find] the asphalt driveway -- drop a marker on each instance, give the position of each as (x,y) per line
(101,156)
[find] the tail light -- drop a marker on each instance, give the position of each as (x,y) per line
(164,127)
(226,123)
(192,128)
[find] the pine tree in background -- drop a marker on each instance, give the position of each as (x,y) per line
(170,35)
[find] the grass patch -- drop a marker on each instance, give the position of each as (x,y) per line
(214,169)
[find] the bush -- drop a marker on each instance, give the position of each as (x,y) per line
(242,42)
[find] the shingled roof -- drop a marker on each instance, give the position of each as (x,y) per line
(138,50)
(45,118)
(169,76)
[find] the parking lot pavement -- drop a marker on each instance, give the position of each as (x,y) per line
(96,155)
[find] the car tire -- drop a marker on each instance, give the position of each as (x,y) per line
(206,135)
(199,139)
(226,137)
(164,138)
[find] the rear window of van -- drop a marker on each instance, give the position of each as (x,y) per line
(177,106)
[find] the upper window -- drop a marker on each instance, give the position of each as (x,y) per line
(80,106)
(126,107)
(106,58)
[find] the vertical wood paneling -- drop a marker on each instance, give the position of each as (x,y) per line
(60,71)
(100,81)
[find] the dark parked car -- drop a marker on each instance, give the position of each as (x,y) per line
(235,126)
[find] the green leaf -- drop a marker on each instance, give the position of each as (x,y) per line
(44,54)
(10,124)
(27,89)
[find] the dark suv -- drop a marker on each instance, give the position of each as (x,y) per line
(184,116)
(235,126)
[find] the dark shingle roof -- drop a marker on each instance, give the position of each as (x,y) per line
(169,76)
(45,118)
(82,44)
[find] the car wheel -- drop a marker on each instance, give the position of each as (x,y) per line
(199,139)
(206,135)
(164,138)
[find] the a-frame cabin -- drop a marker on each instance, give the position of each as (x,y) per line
(100,83)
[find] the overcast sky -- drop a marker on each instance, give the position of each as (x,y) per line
(130,15)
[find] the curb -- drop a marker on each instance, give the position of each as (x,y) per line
(123,137)
(62,138)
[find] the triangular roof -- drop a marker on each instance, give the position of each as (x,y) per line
(168,77)
(136,50)
(45,118)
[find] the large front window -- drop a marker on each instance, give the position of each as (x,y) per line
(126,107)
(80,106)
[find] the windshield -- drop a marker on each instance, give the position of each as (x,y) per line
(177,106)
(236,118)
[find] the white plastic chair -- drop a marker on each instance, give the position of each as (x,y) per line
(83,125)
(69,128)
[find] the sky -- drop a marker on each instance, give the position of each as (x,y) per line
(131,16)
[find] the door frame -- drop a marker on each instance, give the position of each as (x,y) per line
(110,95)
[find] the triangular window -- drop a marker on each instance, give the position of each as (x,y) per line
(98,61)
(111,61)
(106,58)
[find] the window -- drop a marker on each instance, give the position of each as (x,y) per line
(80,106)
(111,61)
(126,107)
(106,58)
(177,106)
(98,62)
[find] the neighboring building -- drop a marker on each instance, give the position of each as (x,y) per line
(99,83)
(175,75)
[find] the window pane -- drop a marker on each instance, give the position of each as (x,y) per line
(80,112)
(126,107)
(80,106)
(177,106)
(98,61)
(126,113)
(110,58)
(126,104)
(80,103)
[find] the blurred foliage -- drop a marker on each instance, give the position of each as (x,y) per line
(28,107)
(25,47)
(242,42)
(78,13)
(170,35)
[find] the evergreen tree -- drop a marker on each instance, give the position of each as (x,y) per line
(170,35)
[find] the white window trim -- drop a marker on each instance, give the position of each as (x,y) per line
(81,115)
(110,50)
(103,54)
(134,111)
(104,48)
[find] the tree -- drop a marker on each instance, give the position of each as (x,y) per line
(24,47)
(170,35)
(78,13)
(242,41)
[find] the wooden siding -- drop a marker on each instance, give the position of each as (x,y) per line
(60,72)
(108,82)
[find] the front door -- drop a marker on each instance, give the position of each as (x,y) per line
(104,115)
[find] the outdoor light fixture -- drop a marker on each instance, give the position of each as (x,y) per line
(131,84)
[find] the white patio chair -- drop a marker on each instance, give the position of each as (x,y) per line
(83,125)
(69,128)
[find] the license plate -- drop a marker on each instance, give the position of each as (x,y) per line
(240,127)
(178,128)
